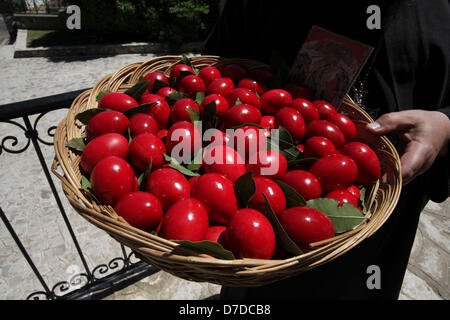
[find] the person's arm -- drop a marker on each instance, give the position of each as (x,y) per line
(418,68)
(424,135)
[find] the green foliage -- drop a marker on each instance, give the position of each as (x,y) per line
(10,6)
(172,21)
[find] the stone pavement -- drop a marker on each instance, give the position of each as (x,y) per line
(31,209)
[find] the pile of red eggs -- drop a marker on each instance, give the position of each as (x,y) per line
(131,163)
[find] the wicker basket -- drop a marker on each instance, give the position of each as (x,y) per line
(381,199)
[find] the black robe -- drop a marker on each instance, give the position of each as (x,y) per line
(410,71)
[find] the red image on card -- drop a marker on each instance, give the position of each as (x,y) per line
(329,64)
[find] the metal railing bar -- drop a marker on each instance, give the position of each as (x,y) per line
(94,288)
(22,249)
(38,105)
(112,283)
(37,148)
(124,253)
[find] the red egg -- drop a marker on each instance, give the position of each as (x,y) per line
(224,160)
(304,182)
(141,210)
(216,192)
(168,185)
(250,235)
(106,122)
(267,163)
(272,191)
(186,219)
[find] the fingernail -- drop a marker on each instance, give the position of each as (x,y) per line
(374,126)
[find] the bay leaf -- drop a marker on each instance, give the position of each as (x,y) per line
(344,218)
(158,84)
(293,198)
(87,115)
(209,117)
(185,60)
(130,138)
(305,161)
(184,170)
(197,161)
(174,164)
(282,141)
(285,135)
(208,247)
(143,108)
(77,144)
(138,90)
(291,153)
(85,183)
(199,96)
(282,237)
(142,180)
(101,94)
(245,188)
(194,114)
(173,97)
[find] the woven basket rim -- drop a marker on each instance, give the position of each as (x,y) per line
(162,252)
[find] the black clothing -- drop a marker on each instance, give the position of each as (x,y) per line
(410,71)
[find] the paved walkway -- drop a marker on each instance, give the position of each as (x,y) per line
(28,202)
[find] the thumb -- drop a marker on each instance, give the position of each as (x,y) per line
(393,121)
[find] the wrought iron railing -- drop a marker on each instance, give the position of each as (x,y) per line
(96,283)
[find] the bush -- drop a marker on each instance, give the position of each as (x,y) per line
(10,6)
(149,20)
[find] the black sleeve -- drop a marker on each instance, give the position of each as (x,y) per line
(412,72)
(219,41)
(415,66)
(435,29)
(246,29)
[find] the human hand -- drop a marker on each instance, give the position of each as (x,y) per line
(423,136)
